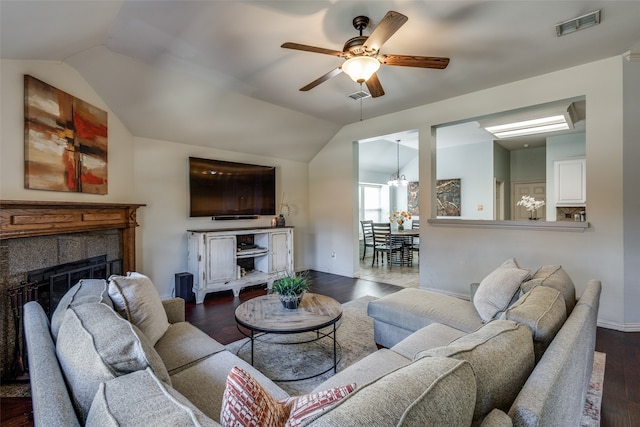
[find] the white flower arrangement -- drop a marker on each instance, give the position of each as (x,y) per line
(530,204)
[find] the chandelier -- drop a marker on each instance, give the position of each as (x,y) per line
(397,179)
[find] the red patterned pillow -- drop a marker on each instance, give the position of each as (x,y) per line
(309,406)
(246,403)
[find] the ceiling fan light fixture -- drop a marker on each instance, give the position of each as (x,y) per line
(360,68)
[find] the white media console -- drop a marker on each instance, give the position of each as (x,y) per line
(232,259)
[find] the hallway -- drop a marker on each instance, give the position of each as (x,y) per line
(401,275)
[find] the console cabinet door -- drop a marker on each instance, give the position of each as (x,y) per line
(221,259)
(281,252)
(570,177)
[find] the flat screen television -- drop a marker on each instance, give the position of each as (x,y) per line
(229,190)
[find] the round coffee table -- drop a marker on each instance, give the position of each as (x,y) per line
(266,315)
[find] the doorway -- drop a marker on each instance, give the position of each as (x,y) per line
(379,160)
(534,189)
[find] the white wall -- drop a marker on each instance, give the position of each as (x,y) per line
(65,78)
(631,157)
(452,257)
(162,183)
(473,164)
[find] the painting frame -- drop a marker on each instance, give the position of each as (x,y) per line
(65,141)
(413,198)
(448,195)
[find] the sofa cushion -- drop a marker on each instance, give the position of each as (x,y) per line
(554,276)
(247,404)
(367,370)
(94,345)
(429,391)
(140,398)
(184,344)
(431,336)
(203,383)
(137,299)
(86,290)
(498,289)
(543,310)
(501,355)
(412,309)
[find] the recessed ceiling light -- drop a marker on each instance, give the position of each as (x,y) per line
(579,23)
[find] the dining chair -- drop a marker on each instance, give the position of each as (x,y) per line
(383,244)
(367,236)
(415,225)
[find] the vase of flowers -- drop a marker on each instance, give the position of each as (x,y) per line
(531,205)
(399,218)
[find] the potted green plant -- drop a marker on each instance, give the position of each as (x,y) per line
(291,289)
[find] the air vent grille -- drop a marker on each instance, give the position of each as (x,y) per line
(359,95)
(577,24)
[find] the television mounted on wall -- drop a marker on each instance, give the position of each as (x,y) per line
(229,190)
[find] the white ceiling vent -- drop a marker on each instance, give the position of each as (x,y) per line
(359,95)
(579,23)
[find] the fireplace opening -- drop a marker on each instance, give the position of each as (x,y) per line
(51,283)
(47,286)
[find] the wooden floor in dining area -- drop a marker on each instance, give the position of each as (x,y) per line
(621,396)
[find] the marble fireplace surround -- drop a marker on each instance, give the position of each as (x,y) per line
(36,234)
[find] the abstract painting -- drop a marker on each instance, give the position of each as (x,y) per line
(65,141)
(413,198)
(448,197)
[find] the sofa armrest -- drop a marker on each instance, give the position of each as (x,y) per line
(51,402)
(472,290)
(175,309)
(497,418)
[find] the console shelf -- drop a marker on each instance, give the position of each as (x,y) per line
(215,258)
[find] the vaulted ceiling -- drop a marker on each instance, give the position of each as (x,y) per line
(212,73)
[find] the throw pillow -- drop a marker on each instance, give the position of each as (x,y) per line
(137,299)
(497,290)
(246,403)
(310,406)
(142,399)
(554,276)
(85,291)
(95,344)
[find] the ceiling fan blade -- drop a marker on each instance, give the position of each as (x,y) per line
(414,61)
(391,23)
(374,86)
(322,79)
(307,48)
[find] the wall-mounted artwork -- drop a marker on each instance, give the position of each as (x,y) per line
(448,197)
(413,198)
(65,141)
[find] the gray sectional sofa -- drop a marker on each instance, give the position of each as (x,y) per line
(114,354)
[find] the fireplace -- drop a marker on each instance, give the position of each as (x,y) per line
(35,236)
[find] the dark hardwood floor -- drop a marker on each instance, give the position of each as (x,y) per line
(621,396)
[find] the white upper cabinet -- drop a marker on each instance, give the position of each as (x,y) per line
(570,182)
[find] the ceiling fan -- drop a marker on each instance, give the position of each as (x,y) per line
(363,57)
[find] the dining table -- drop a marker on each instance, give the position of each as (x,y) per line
(404,239)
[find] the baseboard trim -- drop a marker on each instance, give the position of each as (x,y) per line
(622,327)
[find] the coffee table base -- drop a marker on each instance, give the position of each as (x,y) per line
(319,335)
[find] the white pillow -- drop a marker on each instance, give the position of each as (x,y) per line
(137,299)
(496,291)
